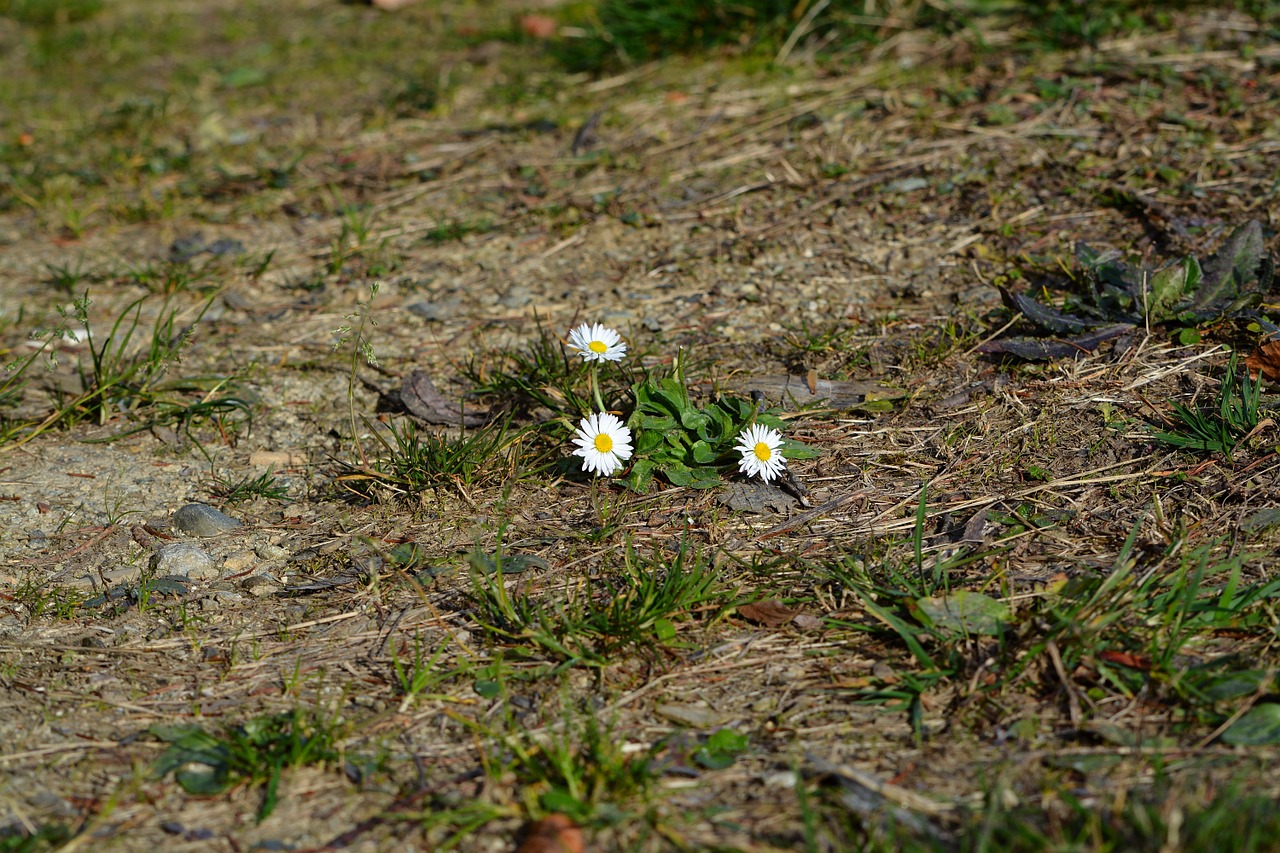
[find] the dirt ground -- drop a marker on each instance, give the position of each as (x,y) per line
(845,218)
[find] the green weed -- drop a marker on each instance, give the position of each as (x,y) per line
(254,753)
(542,375)
(637,608)
(412,462)
(264,485)
(1218,428)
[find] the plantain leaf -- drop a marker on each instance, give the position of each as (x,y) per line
(1228,270)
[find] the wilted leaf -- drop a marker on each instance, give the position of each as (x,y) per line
(511,564)
(1043,315)
(1043,349)
(805,622)
(1261,520)
(419,395)
(755,496)
(1264,361)
(794,392)
(964,612)
(555,833)
(770,613)
(1260,726)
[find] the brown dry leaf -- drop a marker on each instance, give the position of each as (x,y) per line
(419,395)
(770,613)
(555,833)
(1265,360)
(538,26)
(805,622)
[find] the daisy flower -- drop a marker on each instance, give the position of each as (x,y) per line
(597,343)
(604,443)
(760,454)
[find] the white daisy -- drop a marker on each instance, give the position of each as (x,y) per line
(604,443)
(597,343)
(760,454)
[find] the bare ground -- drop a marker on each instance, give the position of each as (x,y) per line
(741,215)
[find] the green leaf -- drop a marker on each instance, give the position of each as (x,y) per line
(1228,270)
(1168,286)
(721,749)
(1260,726)
(562,802)
(964,613)
(203,779)
(647,440)
(1218,687)
(704,453)
(677,473)
(793,449)
(488,689)
(664,630)
(641,476)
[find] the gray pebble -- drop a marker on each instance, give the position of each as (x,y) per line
(443,309)
(184,558)
(201,520)
(517,296)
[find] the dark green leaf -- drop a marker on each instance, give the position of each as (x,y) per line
(488,689)
(1259,727)
(793,449)
(1042,315)
(1229,270)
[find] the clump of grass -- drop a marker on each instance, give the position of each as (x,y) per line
(265,485)
(412,461)
(1221,426)
(125,373)
(543,375)
(254,753)
(636,608)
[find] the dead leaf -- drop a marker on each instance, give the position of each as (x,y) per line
(1265,360)
(419,395)
(794,392)
(753,496)
(805,622)
(555,833)
(770,613)
(538,26)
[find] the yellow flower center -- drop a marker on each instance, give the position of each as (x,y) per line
(762,451)
(603,442)
(598,346)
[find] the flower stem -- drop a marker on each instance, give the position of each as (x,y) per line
(595,386)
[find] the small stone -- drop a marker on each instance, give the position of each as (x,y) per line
(201,520)
(184,558)
(277,458)
(693,716)
(238,561)
(443,309)
(271,552)
(259,586)
(517,296)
